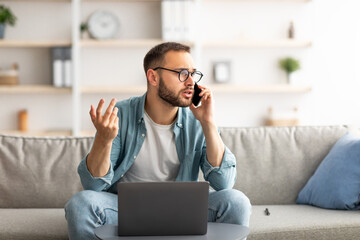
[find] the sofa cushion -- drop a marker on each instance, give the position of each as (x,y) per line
(336,182)
(274,163)
(33,224)
(40,172)
(299,222)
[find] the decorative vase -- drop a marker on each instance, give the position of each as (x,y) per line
(2,30)
(289,78)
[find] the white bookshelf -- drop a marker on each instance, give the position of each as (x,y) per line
(124,43)
(282,43)
(79,90)
(34,44)
(216,88)
(33,89)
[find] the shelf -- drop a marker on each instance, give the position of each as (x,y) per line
(288,43)
(122,0)
(273,88)
(40,0)
(124,43)
(284,43)
(33,44)
(139,89)
(216,88)
(16,89)
(37,133)
(258,0)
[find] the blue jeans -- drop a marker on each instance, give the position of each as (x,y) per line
(89,209)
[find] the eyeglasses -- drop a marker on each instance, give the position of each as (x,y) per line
(184,74)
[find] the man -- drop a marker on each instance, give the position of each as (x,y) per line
(156,137)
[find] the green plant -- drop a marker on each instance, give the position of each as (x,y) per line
(289,65)
(83,27)
(6,16)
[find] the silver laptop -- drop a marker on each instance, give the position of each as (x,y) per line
(162,208)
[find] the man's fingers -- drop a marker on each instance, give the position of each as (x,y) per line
(205,93)
(116,122)
(110,109)
(99,109)
(92,113)
(113,115)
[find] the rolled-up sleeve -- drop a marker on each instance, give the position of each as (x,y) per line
(222,177)
(89,182)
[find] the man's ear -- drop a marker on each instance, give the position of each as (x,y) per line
(153,77)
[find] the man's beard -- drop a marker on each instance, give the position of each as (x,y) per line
(170,97)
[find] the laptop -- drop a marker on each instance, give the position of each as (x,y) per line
(162,208)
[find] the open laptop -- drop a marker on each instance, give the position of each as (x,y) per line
(162,208)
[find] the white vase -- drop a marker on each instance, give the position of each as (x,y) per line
(293,78)
(289,78)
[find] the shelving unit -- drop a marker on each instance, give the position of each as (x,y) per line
(216,88)
(260,0)
(285,43)
(33,89)
(33,44)
(248,89)
(124,43)
(79,90)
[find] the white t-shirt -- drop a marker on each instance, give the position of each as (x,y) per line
(157,159)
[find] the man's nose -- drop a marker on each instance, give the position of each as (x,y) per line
(189,81)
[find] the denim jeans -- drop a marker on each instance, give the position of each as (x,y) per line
(87,210)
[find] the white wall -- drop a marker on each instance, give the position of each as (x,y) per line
(330,65)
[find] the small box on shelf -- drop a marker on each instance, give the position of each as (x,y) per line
(285,118)
(9,76)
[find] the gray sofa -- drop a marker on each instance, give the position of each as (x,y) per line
(38,175)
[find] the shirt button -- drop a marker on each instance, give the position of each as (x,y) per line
(180,125)
(143,135)
(122,175)
(134,157)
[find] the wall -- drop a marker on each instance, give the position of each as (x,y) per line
(330,65)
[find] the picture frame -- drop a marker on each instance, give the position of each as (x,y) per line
(222,71)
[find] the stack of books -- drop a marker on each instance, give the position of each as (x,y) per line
(177,19)
(9,76)
(61,66)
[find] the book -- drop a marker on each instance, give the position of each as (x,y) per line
(57,66)
(61,66)
(177,20)
(67,67)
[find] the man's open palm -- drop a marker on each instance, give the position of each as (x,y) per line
(107,125)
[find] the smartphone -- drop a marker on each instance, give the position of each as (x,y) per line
(196,98)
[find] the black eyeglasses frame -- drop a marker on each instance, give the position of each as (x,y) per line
(179,72)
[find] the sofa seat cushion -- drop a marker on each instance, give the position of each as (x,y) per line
(33,223)
(303,222)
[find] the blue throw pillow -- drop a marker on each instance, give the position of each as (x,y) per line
(336,182)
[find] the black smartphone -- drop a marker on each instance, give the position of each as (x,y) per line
(196,98)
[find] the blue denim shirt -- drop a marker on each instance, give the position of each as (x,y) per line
(190,147)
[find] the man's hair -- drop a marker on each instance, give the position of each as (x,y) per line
(155,57)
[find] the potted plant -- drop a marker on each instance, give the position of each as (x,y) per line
(83,29)
(289,65)
(6,17)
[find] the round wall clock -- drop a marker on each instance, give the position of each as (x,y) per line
(103,25)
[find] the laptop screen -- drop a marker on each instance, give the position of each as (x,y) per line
(162,208)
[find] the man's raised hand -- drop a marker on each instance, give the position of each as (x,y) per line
(107,125)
